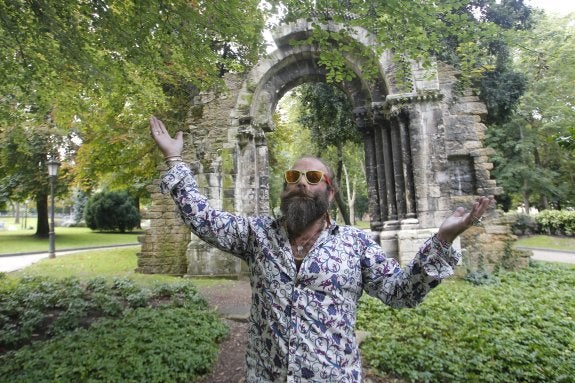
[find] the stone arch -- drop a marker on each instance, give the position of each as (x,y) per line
(417,143)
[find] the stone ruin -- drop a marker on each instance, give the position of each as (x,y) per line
(424,156)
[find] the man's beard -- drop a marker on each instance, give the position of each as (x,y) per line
(300,209)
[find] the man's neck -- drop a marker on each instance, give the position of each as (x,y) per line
(310,231)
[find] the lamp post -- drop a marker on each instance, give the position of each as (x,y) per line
(53,166)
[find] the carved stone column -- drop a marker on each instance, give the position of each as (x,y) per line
(380,168)
(365,126)
(401,120)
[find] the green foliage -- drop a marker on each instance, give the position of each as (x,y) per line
(481,277)
(556,222)
(100,69)
(519,330)
(501,90)
(327,113)
(550,222)
(111,211)
(40,308)
(534,157)
(524,224)
(147,345)
(80,199)
(461,33)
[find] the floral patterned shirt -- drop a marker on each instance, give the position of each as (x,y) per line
(302,322)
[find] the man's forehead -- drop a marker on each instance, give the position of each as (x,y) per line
(309,164)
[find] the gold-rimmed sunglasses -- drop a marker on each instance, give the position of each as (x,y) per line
(313,177)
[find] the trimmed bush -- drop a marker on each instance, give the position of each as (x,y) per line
(111,211)
(556,222)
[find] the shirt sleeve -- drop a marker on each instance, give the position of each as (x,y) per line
(224,230)
(384,278)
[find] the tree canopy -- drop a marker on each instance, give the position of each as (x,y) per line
(462,33)
(90,73)
(535,157)
(96,70)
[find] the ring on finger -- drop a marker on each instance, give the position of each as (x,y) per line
(477,220)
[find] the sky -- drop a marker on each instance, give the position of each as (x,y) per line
(560,7)
(557,7)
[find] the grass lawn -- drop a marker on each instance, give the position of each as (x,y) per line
(547,242)
(20,241)
(108,263)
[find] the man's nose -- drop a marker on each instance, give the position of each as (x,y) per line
(303,180)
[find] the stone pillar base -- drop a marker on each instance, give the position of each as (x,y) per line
(206,260)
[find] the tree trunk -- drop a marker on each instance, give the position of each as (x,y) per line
(526,205)
(338,200)
(42,226)
(350,196)
(17,213)
(138,207)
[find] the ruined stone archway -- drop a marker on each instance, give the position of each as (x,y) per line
(423,153)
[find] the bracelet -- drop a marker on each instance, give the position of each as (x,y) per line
(173,160)
(443,244)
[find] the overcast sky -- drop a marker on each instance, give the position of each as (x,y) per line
(561,7)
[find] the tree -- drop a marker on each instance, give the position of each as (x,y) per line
(111,211)
(24,153)
(535,158)
(327,112)
(458,32)
(101,68)
(79,199)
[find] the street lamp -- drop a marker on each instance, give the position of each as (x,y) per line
(53,166)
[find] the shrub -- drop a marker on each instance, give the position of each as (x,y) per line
(39,308)
(111,211)
(518,330)
(87,332)
(147,345)
(556,222)
(523,224)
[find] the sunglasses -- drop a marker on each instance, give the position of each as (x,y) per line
(313,177)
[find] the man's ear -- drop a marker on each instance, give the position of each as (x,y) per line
(331,194)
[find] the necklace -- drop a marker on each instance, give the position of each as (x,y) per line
(303,248)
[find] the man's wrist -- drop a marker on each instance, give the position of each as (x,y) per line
(442,240)
(172,161)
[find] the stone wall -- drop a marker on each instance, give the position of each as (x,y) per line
(210,148)
(423,149)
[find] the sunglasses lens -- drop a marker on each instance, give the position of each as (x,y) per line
(313,176)
(292,176)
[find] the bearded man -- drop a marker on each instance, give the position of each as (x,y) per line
(306,272)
